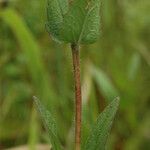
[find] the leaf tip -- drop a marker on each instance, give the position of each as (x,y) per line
(34,97)
(117,100)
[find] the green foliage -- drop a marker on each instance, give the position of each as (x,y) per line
(100,131)
(99,134)
(104,83)
(49,123)
(31,51)
(122,54)
(77,22)
(34,131)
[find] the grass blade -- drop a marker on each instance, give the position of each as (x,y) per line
(32,53)
(104,83)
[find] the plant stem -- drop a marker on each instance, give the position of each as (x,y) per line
(78,100)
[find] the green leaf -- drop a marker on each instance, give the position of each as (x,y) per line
(104,83)
(77,23)
(49,123)
(98,136)
(55,12)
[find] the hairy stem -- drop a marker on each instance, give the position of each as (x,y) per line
(78,101)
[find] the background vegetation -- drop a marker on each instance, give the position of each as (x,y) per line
(117,65)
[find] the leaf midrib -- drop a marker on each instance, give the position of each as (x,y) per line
(84,23)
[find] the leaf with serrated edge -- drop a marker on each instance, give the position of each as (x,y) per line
(49,123)
(98,136)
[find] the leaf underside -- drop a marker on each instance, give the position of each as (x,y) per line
(74,22)
(49,124)
(98,136)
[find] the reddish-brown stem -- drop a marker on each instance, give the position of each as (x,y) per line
(78,101)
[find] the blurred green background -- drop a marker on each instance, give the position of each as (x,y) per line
(118,64)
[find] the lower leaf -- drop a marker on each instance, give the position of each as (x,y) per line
(98,136)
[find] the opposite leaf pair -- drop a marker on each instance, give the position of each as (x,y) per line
(76,21)
(99,134)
